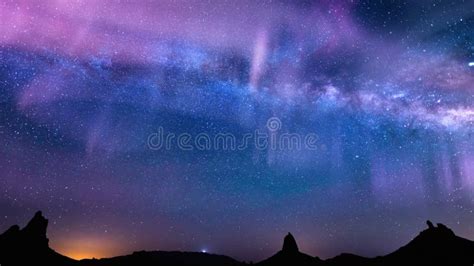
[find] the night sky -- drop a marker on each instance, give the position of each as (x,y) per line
(386,88)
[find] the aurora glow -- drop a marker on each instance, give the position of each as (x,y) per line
(386,86)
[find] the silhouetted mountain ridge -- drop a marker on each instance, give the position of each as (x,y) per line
(20,246)
(164,258)
(437,245)
(434,246)
(290,255)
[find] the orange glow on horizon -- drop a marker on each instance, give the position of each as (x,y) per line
(79,255)
(87,247)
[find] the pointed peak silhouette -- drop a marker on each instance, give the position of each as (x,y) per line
(289,243)
(36,229)
(430,224)
(38,222)
(290,255)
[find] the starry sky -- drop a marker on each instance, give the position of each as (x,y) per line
(386,86)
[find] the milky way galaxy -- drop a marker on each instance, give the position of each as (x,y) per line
(387,88)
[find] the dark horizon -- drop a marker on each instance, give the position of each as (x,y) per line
(435,244)
(223,125)
(261,257)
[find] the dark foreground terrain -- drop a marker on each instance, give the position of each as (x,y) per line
(437,245)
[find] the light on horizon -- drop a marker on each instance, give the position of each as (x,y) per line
(80,246)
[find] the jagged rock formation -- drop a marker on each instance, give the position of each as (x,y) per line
(35,231)
(434,246)
(30,244)
(437,245)
(430,224)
